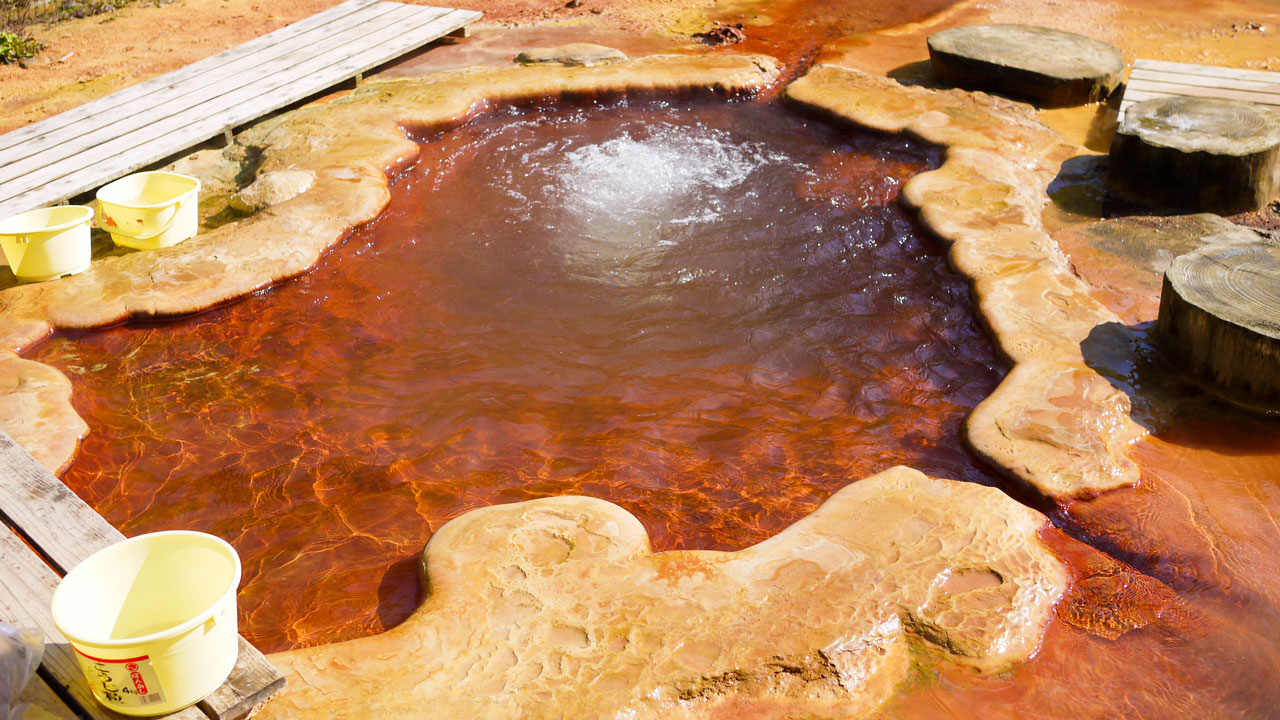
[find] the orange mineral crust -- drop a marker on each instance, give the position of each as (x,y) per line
(714,316)
(1174,597)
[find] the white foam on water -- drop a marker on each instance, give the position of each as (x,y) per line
(639,178)
(628,199)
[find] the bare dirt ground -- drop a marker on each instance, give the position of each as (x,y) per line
(91,57)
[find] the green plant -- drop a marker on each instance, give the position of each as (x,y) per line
(14,47)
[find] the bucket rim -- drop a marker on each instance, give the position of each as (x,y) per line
(86,213)
(170,632)
(177,198)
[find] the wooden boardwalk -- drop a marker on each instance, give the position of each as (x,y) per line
(46,531)
(1154,78)
(82,149)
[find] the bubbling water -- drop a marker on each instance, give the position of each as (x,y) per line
(619,204)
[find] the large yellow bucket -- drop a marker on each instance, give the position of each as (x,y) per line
(48,243)
(153,620)
(150,210)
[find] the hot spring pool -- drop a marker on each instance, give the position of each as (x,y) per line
(713,314)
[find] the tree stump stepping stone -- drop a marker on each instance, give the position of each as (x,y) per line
(1202,154)
(1044,66)
(1220,320)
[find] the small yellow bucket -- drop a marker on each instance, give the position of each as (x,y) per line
(150,210)
(48,243)
(153,620)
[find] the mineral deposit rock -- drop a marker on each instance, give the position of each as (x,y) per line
(1220,320)
(556,608)
(272,188)
(1201,154)
(1043,66)
(575,54)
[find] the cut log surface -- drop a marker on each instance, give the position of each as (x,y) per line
(1202,154)
(1220,320)
(1044,66)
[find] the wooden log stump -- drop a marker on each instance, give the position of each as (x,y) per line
(1202,154)
(1220,320)
(1040,65)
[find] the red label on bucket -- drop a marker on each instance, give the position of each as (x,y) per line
(125,682)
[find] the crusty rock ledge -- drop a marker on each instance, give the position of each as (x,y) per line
(1054,424)
(556,608)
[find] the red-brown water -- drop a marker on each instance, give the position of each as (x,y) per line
(714,316)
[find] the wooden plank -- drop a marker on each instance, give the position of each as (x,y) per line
(114,161)
(26,589)
(1150,79)
(1206,70)
(215,96)
(38,694)
(46,512)
(1139,95)
(252,683)
(164,101)
(63,179)
(1162,89)
(1140,76)
(67,530)
(210,64)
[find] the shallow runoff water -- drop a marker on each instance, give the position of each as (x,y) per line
(713,314)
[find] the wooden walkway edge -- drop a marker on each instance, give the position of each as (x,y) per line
(47,531)
(82,149)
(1150,79)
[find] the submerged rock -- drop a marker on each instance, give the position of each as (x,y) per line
(272,188)
(574,54)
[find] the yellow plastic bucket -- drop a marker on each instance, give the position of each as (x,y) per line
(153,620)
(48,243)
(150,210)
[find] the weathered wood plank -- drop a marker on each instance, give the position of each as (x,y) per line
(1137,96)
(26,590)
(67,530)
(1166,88)
(1206,70)
(164,101)
(1142,76)
(163,142)
(252,683)
(1150,79)
(38,694)
(133,93)
(216,95)
(46,512)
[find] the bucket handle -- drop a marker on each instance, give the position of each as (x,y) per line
(177,208)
